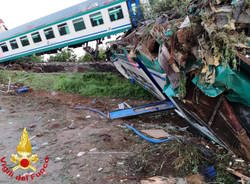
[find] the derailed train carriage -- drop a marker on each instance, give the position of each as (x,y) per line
(72,27)
(178,60)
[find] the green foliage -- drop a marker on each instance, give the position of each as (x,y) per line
(223,45)
(101,85)
(224,177)
(164,6)
(182,158)
(182,88)
(86,58)
(87,84)
(101,55)
(66,55)
(34,80)
(89,58)
(247,3)
(189,159)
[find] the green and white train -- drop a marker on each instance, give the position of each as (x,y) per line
(74,26)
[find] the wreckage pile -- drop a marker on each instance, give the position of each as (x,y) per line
(206,58)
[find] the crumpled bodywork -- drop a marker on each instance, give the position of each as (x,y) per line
(201,62)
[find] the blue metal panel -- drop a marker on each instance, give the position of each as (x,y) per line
(139,12)
(145,109)
(135,14)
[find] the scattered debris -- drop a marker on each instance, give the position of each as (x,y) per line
(33,137)
(159,160)
(22,90)
(120,163)
(209,173)
(195,179)
(45,144)
(156,133)
(141,110)
(53,93)
(238,174)
(201,62)
(81,154)
(72,126)
(124,105)
(88,117)
(57,159)
(93,149)
(92,110)
(100,169)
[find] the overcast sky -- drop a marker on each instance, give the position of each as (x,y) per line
(18,12)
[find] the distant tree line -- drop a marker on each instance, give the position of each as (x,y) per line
(66,55)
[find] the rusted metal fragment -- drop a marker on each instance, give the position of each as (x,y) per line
(233,121)
(225,124)
(244,143)
(185,37)
(243,113)
(244,18)
(215,111)
(230,116)
(149,47)
(164,58)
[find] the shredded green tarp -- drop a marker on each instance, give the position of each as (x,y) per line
(235,83)
(169,91)
(149,64)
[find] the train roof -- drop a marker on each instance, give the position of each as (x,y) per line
(56,17)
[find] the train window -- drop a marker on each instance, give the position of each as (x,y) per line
(49,34)
(25,41)
(13,44)
(96,19)
(36,37)
(115,13)
(4,47)
(79,24)
(63,29)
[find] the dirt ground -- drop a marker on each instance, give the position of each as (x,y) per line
(61,132)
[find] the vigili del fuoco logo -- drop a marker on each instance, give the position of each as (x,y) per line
(24,161)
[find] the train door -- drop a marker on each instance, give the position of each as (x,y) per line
(134,11)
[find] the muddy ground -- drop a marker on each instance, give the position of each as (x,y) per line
(60,132)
